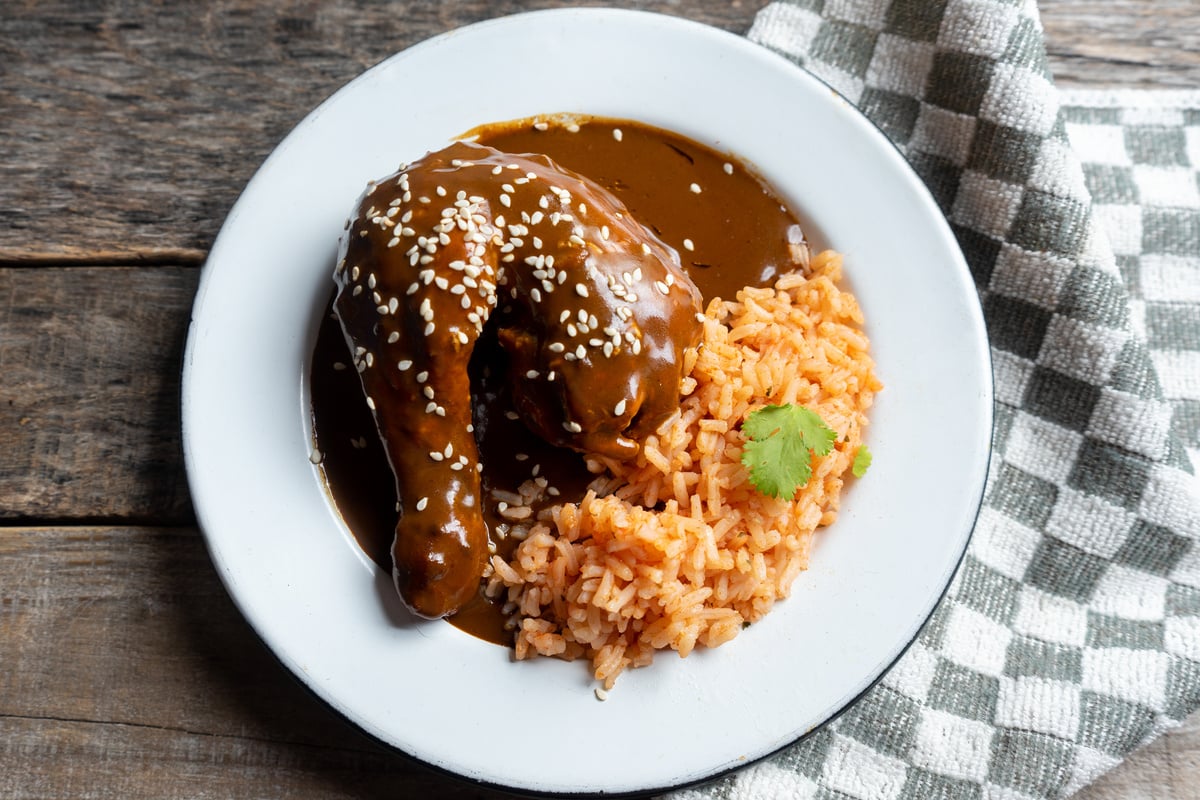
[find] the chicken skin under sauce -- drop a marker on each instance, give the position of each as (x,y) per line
(593,311)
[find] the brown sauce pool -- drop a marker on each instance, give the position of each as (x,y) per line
(730,230)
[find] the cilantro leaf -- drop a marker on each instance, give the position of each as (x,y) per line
(862,460)
(779,447)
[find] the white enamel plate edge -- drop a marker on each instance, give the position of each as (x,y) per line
(463,705)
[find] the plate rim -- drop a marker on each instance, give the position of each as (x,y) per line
(435,41)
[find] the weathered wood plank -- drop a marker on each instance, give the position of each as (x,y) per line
(170,108)
(1132,43)
(128,673)
(1166,769)
(129,128)
(89,401)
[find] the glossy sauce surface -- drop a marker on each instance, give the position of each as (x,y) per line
(730,231)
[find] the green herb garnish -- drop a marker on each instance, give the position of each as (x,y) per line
(862,460)
(780,443)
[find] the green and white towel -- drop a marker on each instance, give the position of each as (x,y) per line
(1071,634)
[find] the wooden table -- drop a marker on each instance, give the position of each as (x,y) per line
(127,129)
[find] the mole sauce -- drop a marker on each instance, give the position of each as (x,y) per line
(730,231)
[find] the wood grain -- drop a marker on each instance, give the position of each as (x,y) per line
(1166,769)
(129,673)
(89,401)
(130,128)
(171,110)
(1128,43)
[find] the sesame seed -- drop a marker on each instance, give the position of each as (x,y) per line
(541,126)
(573,427)
(617,134)
(430,407)
(581,290)
(404,365)
(505,201)
(728,168)
(429,328)
(339,366)
(695,187)
(532,374)
(422,503)
(511,415)
(436,455)
(619,409)
(371,403)
(573,128)
(688,244)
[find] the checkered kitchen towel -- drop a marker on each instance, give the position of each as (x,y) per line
(1071,634)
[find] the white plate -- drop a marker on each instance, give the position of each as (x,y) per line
(454,701)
